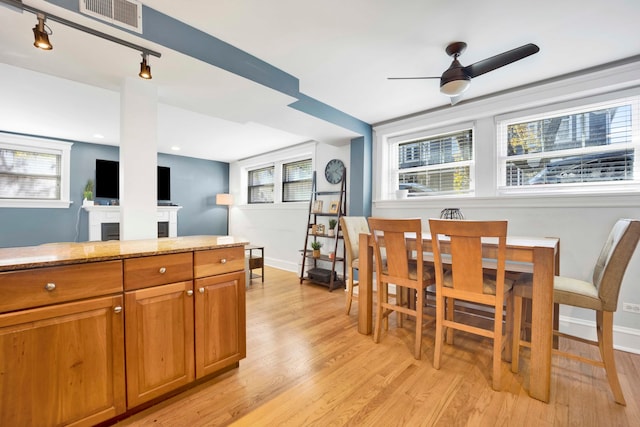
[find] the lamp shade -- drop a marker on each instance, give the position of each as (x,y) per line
(224,199)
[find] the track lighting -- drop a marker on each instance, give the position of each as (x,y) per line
(41,34)
(145,69)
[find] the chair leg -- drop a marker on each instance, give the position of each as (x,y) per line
(516,331)
(437,353)
(379,311)
(400,294)
(451,305)
(604,321)
(508,333)
(497,345)
(419,308)
(350,293)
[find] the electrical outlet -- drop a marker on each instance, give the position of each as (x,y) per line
(631,308)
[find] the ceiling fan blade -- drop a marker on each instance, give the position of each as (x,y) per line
(411,78)
(500,60)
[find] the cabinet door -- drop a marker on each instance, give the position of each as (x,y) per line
(62,364)
(220,322)
(159,340)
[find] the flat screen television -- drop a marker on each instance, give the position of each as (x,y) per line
(108,180)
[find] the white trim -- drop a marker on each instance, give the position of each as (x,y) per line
(51,146)
(625,339)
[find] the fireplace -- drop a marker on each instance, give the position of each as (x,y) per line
(104,222)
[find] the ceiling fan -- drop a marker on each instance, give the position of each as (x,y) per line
(457,78)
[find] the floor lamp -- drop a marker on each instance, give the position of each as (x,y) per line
(225,199)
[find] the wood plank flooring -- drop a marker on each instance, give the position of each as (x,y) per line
(307,365)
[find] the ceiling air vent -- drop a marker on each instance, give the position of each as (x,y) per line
(124,13)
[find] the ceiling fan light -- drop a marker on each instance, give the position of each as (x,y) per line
(455,87)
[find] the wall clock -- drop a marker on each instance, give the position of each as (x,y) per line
(333,171)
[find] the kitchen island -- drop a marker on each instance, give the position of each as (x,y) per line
(93,331)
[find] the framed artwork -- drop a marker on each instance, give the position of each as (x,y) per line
(334,206)
(317,206)
(320,229)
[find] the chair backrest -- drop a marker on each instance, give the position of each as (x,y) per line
(463,241)
(393,249)
(613,261)
(352,227)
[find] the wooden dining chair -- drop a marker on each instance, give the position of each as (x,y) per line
(458,243)
(599,294)
(397,265)
(352,227)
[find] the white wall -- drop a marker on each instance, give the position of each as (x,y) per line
(280,227)
(581,222)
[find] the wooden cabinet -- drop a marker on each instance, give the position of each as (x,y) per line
(220,322)
(159,340)
(62,364)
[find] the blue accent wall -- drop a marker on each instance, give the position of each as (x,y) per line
(194,184)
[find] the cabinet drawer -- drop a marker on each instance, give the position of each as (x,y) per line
(157,270)
(51,285)
(218,261)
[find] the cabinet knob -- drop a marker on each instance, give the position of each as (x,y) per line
(117,309)
(162,270)
(223,261)
(201,290)
(50,286)
(189,293)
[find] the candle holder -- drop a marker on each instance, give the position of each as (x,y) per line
(451,213)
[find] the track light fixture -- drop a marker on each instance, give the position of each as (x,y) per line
(145,69)
(41,34)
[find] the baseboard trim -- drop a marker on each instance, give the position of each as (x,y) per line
(624,339)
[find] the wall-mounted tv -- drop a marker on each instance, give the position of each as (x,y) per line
(108,180)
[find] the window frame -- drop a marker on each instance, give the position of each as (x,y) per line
(273,184)
(46,146)
(392,160)
(578,106)
(298,181)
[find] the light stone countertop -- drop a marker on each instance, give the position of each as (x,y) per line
(52,254)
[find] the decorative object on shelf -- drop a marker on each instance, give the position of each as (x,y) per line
(314,229)
(451,213)
(334,170)
(332,255)
(320,229)
(224,199)
(334,206)
(316,248)
(332,226)
(317,206)
(88,194)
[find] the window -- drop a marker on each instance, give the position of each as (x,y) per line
(33,172)
(261,185)
(436,164)
(297,181)
(584,149)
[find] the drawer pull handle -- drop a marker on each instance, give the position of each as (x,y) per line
(201,290)
(162,270)
(223,261)
(189,293)
(117,309)
(50,286)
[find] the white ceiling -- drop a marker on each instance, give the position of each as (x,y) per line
(341,51)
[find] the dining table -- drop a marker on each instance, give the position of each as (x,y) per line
(537,255)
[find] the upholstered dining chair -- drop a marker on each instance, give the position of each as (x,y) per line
(599,294)
(465,279)
(395,264)
(352,227)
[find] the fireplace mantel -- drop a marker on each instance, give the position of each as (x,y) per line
(99,214)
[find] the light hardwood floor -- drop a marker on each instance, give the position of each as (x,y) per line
(307,365)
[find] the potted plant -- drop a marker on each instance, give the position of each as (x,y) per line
(88,194)
(332,225)
(316,248)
